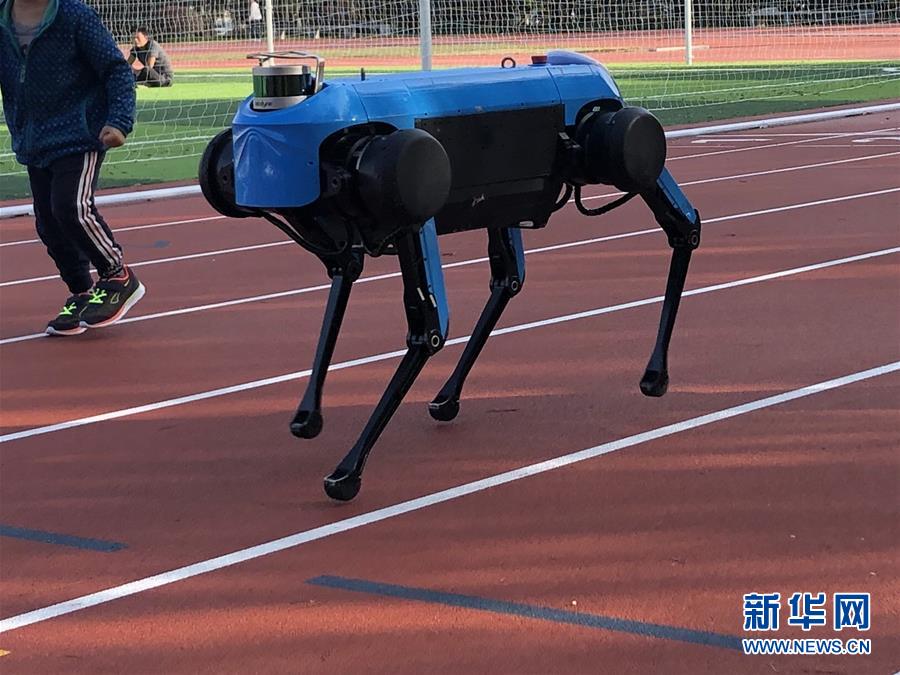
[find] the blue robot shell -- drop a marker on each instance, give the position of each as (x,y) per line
(276,153)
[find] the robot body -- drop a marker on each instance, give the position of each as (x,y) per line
(386,164)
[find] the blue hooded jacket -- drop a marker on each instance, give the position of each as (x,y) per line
(72,82)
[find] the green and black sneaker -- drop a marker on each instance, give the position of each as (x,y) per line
(68,321)
(111,298)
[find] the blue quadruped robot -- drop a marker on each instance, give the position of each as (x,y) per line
(385,164)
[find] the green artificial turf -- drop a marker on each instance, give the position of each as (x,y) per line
(174,124)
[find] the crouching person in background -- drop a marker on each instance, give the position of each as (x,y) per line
(149,61)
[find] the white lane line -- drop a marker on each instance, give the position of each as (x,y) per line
(770,172)
(724,141)
(769,135)
(791,207)
(347,524)
(194,190)
(461,263)
(778,145)
(159,261)
(128,229)
(767,172)
(697,182)
(697,291)
(875,139)
(729,139)
(853,147)
(257,384)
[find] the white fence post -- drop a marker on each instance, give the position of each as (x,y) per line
(425,33)
(270,28)
(688,32)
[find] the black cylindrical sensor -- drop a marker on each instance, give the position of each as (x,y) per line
(277,87)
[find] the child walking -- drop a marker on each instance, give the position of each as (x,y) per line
(68,96)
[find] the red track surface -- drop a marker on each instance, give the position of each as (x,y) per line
(731,45)
(797,497)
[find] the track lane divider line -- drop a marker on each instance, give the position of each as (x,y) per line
(461,263)
(765,123)
(159,261)
(601,196)
(730,151)
(702,181)
(767,172)
(240,556)
(130,228)
(375,358)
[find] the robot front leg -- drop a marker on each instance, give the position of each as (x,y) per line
(681,223)
(507,259)
(427,318)
(307,422)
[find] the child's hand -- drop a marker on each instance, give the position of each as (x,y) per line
(112,137)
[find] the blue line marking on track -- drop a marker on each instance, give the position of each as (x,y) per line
(60,539)
(531,611)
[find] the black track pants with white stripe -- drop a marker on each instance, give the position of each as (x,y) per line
(67,220)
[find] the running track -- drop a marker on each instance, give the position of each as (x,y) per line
(796,493)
